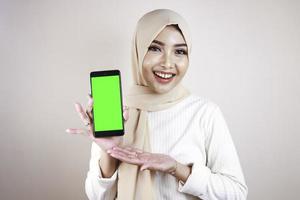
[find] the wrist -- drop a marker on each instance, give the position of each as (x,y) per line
(181,171)
(107,165)
(108,159)
(173,169)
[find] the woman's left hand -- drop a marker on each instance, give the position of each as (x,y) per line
(151,161)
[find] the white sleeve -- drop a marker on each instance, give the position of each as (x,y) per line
(97,187)
(222,177)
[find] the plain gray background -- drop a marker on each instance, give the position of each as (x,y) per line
(245,57)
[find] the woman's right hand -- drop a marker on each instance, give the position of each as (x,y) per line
(86,116)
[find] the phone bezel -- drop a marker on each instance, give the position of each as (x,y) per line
(108,133)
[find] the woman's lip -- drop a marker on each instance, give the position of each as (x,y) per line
(162,80)
(165,72)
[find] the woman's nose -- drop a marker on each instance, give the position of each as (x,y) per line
(167,61)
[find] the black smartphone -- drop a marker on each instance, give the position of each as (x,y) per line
(106,91)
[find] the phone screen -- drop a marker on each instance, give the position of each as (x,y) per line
(107,109)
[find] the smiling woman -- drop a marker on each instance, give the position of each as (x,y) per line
(176,145)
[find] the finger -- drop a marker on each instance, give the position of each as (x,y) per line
(90,107)
(138,150)
(90,131)
(75,131)
(113,151)
(132,149)
(129,148)
(121,155)
(89,115)
(81,132)
(125,113)
(126,150)
(127,159)
(134,152)
(82,113)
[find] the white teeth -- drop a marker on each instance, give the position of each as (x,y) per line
(162,75)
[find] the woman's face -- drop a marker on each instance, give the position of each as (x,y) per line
(166,60)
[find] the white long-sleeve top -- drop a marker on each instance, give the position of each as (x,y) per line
(192,132)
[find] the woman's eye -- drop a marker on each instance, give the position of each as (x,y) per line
(181,51)
(154,48)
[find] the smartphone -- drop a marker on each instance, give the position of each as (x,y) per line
(107,111)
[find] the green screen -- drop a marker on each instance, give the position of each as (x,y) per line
(107,103)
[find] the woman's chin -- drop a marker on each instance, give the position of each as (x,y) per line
(161,89)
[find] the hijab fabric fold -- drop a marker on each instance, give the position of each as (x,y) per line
(133,183)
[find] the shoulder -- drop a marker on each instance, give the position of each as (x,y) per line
(203,109)
(209,114)
(201,103)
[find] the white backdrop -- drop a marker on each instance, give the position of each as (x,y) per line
(245,57)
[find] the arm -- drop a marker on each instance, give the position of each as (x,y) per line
(96,186)
(108,165)
(222,177)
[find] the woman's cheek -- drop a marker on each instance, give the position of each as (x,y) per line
(183,65)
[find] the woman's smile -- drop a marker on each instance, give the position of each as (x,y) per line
(164,77)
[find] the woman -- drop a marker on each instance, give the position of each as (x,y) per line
(176,145)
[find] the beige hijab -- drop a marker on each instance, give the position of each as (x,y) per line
(133,184)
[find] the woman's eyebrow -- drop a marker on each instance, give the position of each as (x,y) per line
(162,44)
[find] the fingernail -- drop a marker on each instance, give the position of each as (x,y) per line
(108,151)
(67,130)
